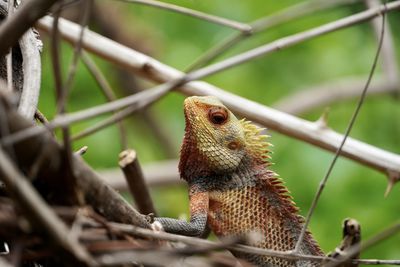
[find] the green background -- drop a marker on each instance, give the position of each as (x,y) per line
(353,190)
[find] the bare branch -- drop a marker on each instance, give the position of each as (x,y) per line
(305,100)
(129,163)
(338,151)
(292,40)
(36,210)
(107,91)
(32,74)
(286,124)
(26,15)
(268,22)
(61,101)
(389,62)
(116,117)
(194,13)
(354,250)
(99,195)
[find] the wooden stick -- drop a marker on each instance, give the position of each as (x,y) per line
(129,163)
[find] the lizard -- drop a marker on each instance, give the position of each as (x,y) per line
(226,164)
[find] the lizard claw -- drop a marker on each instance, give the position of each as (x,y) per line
(157,227)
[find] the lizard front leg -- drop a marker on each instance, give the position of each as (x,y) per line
(198,217)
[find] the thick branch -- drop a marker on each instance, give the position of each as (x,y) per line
(289,125)
(38,213)
(24,18)
(323,95)
(32,75)
(49,166)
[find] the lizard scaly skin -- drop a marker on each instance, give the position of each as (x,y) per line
(225,163)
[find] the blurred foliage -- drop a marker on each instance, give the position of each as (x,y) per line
(177,40)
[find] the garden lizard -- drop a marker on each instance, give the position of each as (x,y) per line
(225,162)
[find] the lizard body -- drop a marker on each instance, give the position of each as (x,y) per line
(225,163)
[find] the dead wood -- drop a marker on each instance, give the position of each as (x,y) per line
(41,157)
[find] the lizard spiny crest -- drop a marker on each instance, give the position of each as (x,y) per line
(225,161)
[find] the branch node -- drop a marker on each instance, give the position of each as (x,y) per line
(81,151)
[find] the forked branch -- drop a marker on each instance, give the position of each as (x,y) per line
(284,123)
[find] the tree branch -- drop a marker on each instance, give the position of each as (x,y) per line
(305,100)
(99,195)
(282,16)
(24,18)
(389,62)
(129,163)
(194,13)
(38,213)
(286,124)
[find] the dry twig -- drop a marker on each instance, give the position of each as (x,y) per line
(194,13)
(338,151)
(24,18)
(129,163)
(108,93)
(273,119)
(38,213)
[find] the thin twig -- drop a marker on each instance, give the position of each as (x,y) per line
(194,13)
(136,102)
(289,125)
(387,233)
(39,214)
(98,194)
(70,183)
(107,91)
(115,118)
(389,63)
(41,117)
(61,101)
(268,22)
(129,163)
(338,152)
(292,40)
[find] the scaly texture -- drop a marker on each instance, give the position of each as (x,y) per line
(225,162)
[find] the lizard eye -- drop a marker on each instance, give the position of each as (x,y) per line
(218,115)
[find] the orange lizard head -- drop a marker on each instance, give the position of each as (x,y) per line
(216,141)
